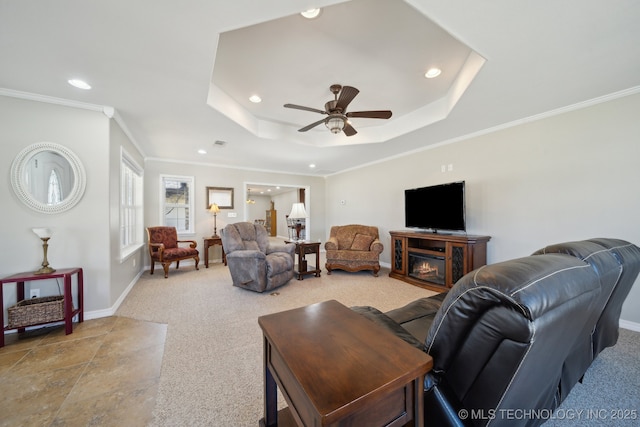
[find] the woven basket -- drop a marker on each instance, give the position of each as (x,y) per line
(35,311)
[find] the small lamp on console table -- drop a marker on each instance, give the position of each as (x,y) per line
(214,209)
(298,212)
(45,235)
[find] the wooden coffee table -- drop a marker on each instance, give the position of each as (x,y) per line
(335,367)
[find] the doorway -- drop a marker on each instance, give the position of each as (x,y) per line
(259,195)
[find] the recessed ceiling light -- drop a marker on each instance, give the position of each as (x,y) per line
(311,13)
(255,99)
(80,84)
(312,166)
(201,151)
(432,72)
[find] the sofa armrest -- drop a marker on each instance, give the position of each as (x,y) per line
(422,307)
(331,244)
(289,248)
(417,316)
(376,246)
(378,317)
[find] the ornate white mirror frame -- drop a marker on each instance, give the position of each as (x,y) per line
(21,186)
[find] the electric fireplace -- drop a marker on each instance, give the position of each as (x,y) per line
(430,268)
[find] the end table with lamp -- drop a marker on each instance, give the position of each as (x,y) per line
(215,239)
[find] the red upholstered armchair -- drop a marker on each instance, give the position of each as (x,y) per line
(163,248)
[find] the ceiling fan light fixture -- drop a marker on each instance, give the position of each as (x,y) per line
(335,124)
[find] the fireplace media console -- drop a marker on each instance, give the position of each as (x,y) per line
(435,261)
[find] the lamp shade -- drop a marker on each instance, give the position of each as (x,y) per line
(43,232)
(214,209)
(298,211)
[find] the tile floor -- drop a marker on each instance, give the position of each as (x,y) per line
(105,373)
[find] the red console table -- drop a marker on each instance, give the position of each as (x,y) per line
(69,311)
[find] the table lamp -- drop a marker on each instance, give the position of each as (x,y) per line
(214,209)
(298,212)
(45,235)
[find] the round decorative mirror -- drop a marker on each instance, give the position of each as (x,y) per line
(48,177)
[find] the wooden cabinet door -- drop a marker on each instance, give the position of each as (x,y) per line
(456,256)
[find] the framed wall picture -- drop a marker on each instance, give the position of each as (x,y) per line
(221,196)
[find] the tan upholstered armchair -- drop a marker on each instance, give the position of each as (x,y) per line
(163,248)
(353,248)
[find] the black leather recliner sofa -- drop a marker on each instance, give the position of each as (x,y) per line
(510,340)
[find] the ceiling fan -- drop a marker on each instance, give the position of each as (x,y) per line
(337,119)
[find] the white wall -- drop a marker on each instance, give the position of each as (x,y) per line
(216,176)
(81,234)
(569,177)
(85,236)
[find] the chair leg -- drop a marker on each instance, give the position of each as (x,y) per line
(197,258)
(166,265)
(177,264)
(153,263)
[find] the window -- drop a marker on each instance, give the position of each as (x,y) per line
(54,194)
(176,200)
(131,199)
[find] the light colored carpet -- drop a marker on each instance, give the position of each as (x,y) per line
(212,367)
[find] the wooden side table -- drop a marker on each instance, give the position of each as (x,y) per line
(304,248)
(335,367)
(69,311)
(211,241)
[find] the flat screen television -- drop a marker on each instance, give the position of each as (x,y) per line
(437,207)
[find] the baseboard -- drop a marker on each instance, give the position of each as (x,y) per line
(96,314)
(632,326)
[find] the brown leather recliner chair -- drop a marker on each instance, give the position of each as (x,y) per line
(510,336)
(617,262)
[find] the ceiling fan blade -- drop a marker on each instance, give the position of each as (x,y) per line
(300,107)
(349,130)
(346,96)
(378,114)
(311,126)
